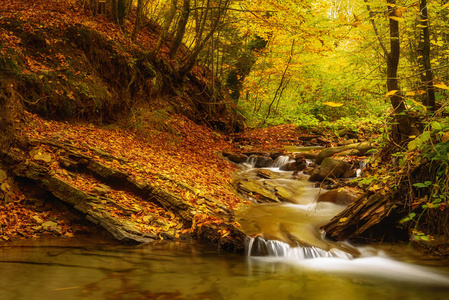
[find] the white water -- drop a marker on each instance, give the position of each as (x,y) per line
(371,263)
(302,221)
(281,160)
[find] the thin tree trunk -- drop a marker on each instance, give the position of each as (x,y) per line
(427,74)
(181,29)
(138,22)
(405,128)
(282,81)
(200,43)
(167,23)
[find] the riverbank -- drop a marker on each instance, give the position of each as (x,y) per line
(181,159)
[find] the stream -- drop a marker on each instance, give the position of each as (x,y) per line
(293,261)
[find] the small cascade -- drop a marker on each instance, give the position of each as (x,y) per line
(252,161)
(362,165)
(281,160)
(258,246)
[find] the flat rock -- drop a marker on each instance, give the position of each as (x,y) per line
(237,158)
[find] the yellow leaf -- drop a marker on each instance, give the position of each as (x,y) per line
(419,104)
(333,104)
(410,94)
(342,220)
(391,93)
(397,19)
(441,86)
(374,188)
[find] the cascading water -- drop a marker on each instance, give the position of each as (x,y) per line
(281,160)
(276,227)
(257,246)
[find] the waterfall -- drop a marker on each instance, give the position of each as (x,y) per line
(281,160)
(362,165)
(258,246)
(251,161)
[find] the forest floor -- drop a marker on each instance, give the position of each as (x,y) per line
(179,157)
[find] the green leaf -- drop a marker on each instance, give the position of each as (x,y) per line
(408,218)
(436,126)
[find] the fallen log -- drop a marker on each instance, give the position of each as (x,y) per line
(372,216)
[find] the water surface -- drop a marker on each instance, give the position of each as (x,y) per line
(100,269)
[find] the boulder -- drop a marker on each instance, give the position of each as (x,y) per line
(294,166)
(237,158)
(260,161)
(330,167)
(291,166)
(338,196)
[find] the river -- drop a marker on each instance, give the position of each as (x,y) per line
(96,268)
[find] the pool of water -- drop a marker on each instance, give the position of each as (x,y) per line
(101,269)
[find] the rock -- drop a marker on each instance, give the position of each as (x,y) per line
(310,155)
(260,161)
(330,167)
(257,153)
(37,220)
(148,219)
(275,155)
(101,190)
(350,174)
(226,153)
(51,226)
(293,166)
(37,228)
(237,158)
(309,170)
(348,133)
(3,175)
(338,196)
(40,155)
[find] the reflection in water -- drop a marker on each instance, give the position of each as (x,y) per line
(95,269)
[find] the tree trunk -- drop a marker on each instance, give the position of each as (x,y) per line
(426,67)
(199,45)
(282,81)
(405,127)
(167,23)
(181,29)
(138,23)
